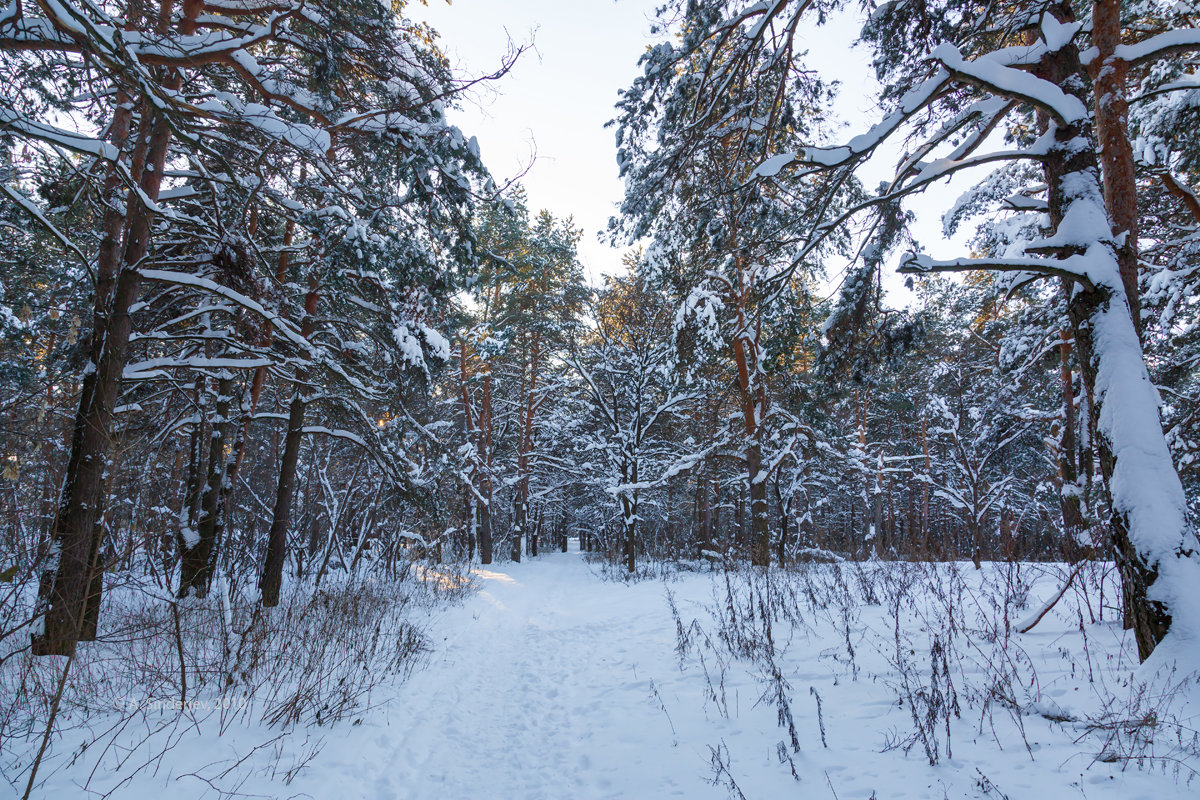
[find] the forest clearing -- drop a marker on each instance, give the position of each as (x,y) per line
(676,398)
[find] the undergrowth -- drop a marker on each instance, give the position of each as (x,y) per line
(162,670)
(950,657)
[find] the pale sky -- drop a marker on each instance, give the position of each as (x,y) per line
(556,100)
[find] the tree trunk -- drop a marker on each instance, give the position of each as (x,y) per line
(272,574)
(518,538)
(1151,533)
(535,533)
(760,534)
(195,567)
(879,539)
(525,447)
(1115,150)
(233,468)
(925,546)
(706,517)
(471,521)
(784,509)
(478,431)
(629,514)
(250,399)
(1070,492)
(485,484)
(189,511)
(77,530)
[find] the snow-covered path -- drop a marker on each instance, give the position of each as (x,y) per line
(550,683)
(541,688)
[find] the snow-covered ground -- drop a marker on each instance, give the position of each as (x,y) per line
(552,683)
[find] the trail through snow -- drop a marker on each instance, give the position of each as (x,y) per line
(540,687)
(550,683)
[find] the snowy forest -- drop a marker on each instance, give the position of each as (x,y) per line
(328,472)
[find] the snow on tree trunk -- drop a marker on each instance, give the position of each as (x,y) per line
(1153,538)
(195,566)
(760,535)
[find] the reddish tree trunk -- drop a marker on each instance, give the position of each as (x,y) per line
(1115,151)
(1150,618)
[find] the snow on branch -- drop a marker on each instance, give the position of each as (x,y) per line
(157,367)
(68,140)
(863,144)
(918,264)
(31,208)
(285,328)
(19,32)
(1169,43)
(995,73)
(337,433)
